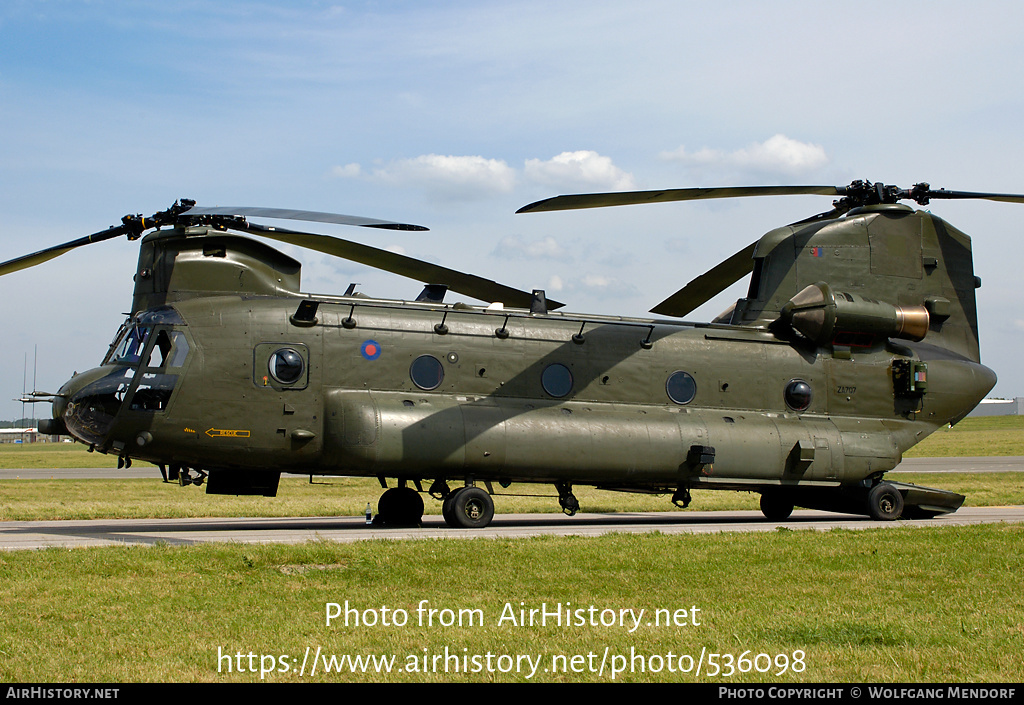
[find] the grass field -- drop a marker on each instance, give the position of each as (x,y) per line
(890,605)
(26,500)
(974,437)
(96,499)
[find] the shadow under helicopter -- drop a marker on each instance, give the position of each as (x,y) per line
(344,529)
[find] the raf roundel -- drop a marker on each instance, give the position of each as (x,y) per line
(371,349)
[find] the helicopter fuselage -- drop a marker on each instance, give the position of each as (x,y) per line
(234,385)
(857,339)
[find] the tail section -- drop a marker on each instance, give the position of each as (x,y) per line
(882,266)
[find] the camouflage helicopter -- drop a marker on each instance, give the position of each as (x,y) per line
(858,337)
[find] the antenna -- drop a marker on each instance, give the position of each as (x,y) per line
(24,392)
(35,369)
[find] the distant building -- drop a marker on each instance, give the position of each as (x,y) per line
(999,407)
(20,435)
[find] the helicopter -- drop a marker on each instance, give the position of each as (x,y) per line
(858,337)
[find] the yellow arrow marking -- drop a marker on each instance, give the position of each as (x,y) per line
(226,433)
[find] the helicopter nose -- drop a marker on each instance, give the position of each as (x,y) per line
(90,402)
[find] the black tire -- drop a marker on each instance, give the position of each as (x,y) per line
(776,506)
(885,502)
(470,508)
(400,506)
(446,508)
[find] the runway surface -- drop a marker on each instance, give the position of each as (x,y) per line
(69,534)
(105,532)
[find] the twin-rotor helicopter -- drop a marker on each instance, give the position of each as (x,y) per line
(857,338)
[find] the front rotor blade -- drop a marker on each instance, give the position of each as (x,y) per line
(627,198)
(469,284)
(709,284)
(314,216)
(49,253)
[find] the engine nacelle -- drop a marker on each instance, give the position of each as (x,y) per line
(826,316)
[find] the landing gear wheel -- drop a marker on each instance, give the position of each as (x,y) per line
(885,503)
(776,506)
(468,508)
(446,508)
(400,506)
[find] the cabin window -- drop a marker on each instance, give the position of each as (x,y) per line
(426,372)
(681,387)
(556,380)
(286,366)
(798,395)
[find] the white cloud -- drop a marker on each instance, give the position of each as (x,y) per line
(584,168)
(515,247)
(456,177)
(555,283)
(349,171)
(601,285)
(470,177)
(778,154)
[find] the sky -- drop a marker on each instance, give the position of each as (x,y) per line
(454,114)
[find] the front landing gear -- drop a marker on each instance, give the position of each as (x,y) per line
(566,499)
(400,506)
(468,508)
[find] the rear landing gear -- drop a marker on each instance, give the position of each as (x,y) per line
(776,506)
(468,508)
(885,502)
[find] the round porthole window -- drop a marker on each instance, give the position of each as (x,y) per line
(798,395)
(426,372)
(286,366)
(556,380)
(681,387)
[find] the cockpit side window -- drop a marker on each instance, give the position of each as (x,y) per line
(161,349)
(169,350)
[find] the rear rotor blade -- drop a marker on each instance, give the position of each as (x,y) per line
(313,216)
(469,284)
(958,195)
(709,284)
(626,198)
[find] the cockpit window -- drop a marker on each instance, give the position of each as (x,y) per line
(129,348)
